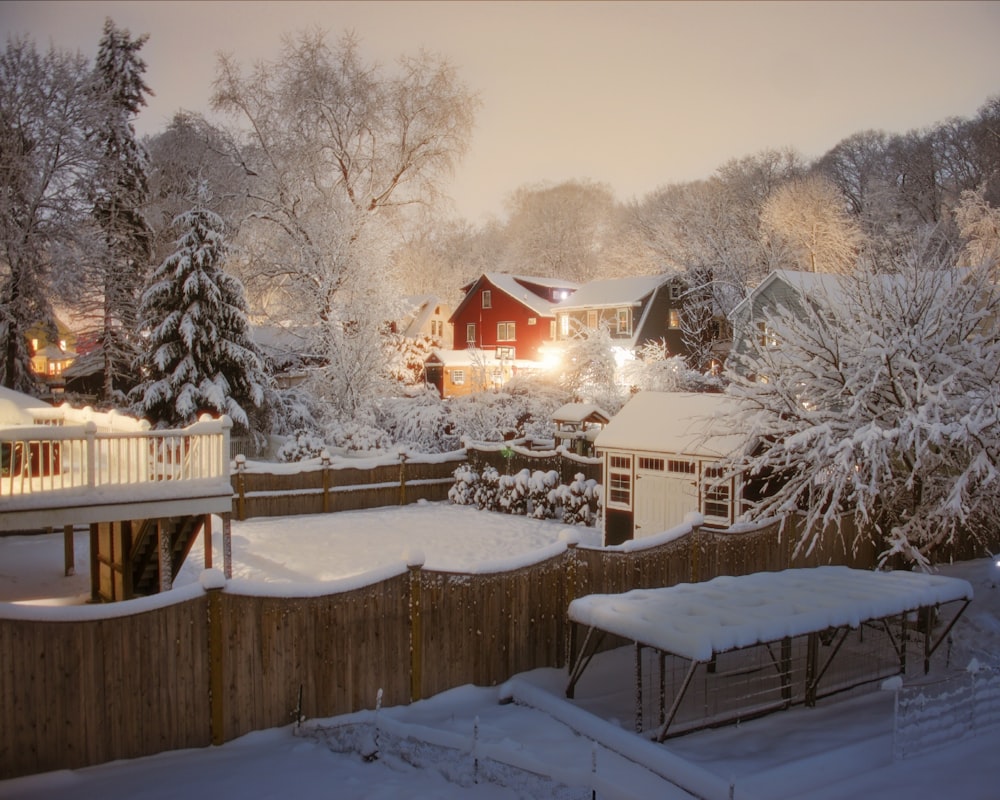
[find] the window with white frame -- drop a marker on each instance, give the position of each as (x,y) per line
(487,298)
(592,318)
(717,498)
(620,481)
(505,353)
(505,332)
(676,291)
(624,317)
(458,377)
(564,325)
(470,333)
(766,337)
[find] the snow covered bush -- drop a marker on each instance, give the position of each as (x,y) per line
(421,422)
(512,493)
(302,445)
(487,490)
(540,494)
(358,436)
(580,501)
(462,493)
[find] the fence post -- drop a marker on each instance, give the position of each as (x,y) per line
(695,553)
(227,545)
(215,664)
(241,463)
(402,476)
(325,456)
(415,563)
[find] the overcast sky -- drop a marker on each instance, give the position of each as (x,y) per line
(636,95)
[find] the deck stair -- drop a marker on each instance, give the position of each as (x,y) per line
(144,554)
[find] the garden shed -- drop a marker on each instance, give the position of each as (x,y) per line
(661,462)
(733,648)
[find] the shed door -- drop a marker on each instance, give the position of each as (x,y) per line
(663,496)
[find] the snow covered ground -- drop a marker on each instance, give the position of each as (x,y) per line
(437,748)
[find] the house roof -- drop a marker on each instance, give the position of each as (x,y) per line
(671,422)
(613,292)
(514,285)
(422,309)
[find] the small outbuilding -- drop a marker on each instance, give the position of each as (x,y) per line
(733,648)
(577,426)
(661,461)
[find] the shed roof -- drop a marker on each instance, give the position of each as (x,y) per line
(695,620)
(581,412)
(671,422)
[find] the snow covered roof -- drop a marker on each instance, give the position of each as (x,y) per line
(473,357)
(16,407)
(695,620)
(580,412)
(422,308)
(614,292)
(671,422)
(514,286)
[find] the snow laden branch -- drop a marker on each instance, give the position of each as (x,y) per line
(879,399)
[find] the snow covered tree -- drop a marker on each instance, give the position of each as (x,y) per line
(590,369)
(119,191)
(45,166)
(198,355)
(879,399)
(337,146)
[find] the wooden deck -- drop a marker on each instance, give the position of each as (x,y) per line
(144,494)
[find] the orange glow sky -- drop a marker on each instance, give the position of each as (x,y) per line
(635,95)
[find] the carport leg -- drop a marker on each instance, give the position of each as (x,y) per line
(675,706)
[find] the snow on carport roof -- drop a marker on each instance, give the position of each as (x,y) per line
(671,422)
(695,620)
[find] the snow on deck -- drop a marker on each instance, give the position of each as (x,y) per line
(695,620)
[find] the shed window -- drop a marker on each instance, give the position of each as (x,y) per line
(683,467)
(651,464)
(717,495)
(620,481)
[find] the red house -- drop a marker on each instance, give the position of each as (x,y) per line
(510,315)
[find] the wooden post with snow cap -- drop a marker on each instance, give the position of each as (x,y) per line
(695,520)
(325,458)
(213,582)
(402,476)
(415,563)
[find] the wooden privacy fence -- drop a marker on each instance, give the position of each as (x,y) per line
(511,457)
(217,664)
(329,485)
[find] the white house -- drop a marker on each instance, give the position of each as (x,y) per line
(661,461)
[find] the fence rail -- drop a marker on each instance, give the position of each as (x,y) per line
(210,669)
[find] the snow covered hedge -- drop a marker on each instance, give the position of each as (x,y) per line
(538,494)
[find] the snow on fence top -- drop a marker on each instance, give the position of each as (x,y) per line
(695,620)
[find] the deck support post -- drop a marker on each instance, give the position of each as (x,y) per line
(206,532)
(164,548)
(69,556)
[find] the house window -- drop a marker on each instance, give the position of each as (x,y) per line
(470,333)
(487,298)
(564,325)
(505,332)
(675,292)
(458,377)
(620,481)
(625,321)
(532,320)
(592,318)
(766,337)
(505,353)
(651,464)
(717,496)
(675,319)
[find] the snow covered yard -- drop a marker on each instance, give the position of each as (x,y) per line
(841,749)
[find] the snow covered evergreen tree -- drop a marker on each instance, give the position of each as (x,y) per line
(119,192)
(198,356)
(880,400)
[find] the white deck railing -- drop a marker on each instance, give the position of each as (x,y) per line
(61,451)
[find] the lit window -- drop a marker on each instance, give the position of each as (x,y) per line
(564,324)
(625,321)
(505,332)
(766,337)
(487,298)
(675,318)
(592,318)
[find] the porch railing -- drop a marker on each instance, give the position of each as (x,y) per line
(57,454)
